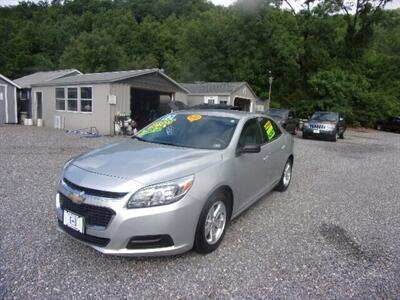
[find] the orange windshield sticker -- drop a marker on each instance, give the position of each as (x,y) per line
(194,118)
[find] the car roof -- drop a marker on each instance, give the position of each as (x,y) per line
(219,113)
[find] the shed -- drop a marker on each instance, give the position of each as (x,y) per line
(8,100)
(26,100)
(230,93)
(94,99)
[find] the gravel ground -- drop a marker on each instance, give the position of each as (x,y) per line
(333,234)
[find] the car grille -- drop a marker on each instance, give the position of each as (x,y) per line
(94,215)
(93,192)
(91,239)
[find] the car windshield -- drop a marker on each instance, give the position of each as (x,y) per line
(325,116)
(280,113)
(190,130)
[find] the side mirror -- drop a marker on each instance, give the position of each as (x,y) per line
(250,149)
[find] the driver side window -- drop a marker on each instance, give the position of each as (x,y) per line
(251,134)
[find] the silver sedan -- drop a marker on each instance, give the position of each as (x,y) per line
(175,185)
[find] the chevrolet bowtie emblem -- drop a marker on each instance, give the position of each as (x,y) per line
(77,198)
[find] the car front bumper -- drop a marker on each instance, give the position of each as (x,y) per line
(177,221)
(322,134)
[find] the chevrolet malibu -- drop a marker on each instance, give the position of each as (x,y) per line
(175,185)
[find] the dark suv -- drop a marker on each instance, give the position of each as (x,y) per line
(285,117)
(323,124)
(392,123)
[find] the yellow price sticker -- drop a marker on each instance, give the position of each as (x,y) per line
(194,118)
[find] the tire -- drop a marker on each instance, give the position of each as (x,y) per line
(334,137)
(285,181)
(379,127)
(205,242)
(341,135)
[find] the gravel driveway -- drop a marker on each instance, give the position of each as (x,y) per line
(334,234)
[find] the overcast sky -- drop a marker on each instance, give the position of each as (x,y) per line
(295,3)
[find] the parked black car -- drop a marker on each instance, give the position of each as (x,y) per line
(323,124)
(285,117)
(392,123)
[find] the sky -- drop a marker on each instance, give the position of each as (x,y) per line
(296,3)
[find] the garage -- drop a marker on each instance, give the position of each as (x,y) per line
(98,99)
(8,101)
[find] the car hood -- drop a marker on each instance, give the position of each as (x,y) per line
(320,122)
(146,163)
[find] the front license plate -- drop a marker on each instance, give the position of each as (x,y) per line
(73,221)
(316,131)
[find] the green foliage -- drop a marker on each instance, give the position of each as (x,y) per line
(320,59)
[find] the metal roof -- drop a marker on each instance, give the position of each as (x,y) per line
(107,77)
(38,77)
(9,81)
(213,87)
(104,77)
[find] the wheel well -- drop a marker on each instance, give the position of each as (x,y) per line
(227,191)
(291,157)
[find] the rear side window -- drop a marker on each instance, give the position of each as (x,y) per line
(270,131)
(251,134)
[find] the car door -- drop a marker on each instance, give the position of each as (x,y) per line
(274,147)
(249,167)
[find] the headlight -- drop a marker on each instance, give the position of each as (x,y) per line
(330,127)
(161,194)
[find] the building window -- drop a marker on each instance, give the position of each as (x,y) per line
(60,99)
(86,99)
(72,100)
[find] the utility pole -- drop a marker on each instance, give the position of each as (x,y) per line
(270,86)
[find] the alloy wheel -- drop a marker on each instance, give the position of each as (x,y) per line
(287,174)
(215,222)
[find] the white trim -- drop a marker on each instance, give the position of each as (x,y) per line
(77,99)
(55,97)
(79,110)
(80,100)
(16,107)
(5,101)
(9,81)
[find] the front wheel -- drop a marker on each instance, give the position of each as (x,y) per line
(212,224)
(286,177)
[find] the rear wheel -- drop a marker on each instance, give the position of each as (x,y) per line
(286,177)
(212,223)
